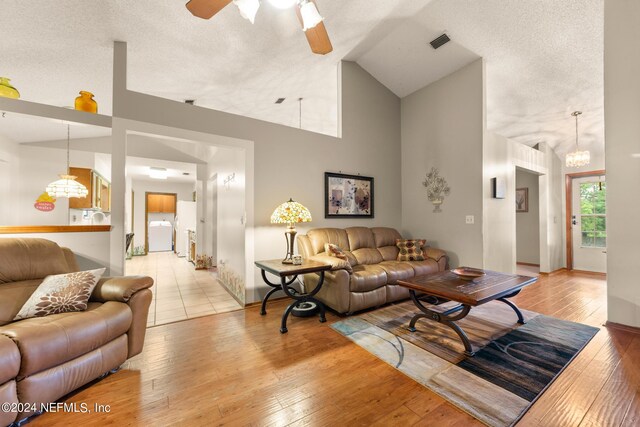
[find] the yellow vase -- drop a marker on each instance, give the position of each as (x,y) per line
(7,90)
(85,102)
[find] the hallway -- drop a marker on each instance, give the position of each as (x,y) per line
(180,292)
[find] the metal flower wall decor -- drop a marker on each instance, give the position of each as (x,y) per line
(437,188)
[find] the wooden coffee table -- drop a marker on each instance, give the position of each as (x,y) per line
(446,286)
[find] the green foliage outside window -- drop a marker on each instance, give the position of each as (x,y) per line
(593,210)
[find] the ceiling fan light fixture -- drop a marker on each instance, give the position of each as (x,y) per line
(283,4)
(248,9)
(310,15)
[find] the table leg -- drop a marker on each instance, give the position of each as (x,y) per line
(445,318)
(276,287)
(513,306)
(300,298)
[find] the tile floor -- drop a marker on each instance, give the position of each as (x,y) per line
(180,291)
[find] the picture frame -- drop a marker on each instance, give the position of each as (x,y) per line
(522,200)
(498,188)
(348,196)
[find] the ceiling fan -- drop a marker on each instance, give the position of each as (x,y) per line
(306,10)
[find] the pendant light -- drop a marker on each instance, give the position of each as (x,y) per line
(577,158)
(67,186)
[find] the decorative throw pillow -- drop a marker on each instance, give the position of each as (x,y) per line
(334,250)
(410,249)
(62,293)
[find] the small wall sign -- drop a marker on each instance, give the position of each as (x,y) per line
(45,203)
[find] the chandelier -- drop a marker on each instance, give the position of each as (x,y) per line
(67,186)
(577,158)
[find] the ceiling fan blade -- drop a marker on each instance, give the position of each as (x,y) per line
(205,9)
(317,36)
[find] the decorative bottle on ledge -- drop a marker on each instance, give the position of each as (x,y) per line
(85,102)
(7,90)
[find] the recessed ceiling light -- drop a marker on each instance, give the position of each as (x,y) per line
(283,4)
(280,100)
(158,173)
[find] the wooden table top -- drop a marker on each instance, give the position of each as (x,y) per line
(275,266)
(491,286)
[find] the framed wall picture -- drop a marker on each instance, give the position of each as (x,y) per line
(522,200)
(498,188)
(348,196)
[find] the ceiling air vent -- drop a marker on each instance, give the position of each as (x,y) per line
(185,173)
(190,101)
(439,41)
(280,100)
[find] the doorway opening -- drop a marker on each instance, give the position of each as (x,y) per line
(160,215)
(527,223)
(586,221)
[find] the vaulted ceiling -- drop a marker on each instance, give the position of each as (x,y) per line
(543,58)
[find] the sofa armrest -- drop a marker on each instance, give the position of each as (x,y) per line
(439,256)
(120,288)
(334,262)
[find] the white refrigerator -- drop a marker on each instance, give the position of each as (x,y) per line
(186,219)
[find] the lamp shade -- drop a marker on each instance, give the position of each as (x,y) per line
(248,8)
(310,15)
(290,213)
(67,186)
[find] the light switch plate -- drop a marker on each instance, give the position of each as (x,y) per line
(470,219)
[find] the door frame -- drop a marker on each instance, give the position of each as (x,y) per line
(146,216)
(568,185)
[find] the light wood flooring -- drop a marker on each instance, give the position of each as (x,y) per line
(180,292)
(237,369)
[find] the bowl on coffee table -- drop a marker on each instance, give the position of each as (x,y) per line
(468,273)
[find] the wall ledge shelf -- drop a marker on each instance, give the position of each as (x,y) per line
(29,108)
(28,229)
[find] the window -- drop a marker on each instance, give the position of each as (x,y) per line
(593,218)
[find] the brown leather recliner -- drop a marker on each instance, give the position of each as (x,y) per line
(43,359)
(372,254)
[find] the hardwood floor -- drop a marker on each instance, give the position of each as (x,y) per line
(237,369)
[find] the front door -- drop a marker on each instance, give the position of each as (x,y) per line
(589,224)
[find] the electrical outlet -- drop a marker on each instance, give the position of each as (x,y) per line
(470,219)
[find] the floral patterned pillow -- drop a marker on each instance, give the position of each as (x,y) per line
(62,293)
(334,250)
(410,249)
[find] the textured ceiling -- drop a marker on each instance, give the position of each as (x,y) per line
(544,58)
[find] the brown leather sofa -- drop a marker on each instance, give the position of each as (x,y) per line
(372,254)
(43,359)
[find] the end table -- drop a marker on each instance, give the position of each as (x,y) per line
(288,273)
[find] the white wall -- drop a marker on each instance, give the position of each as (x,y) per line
(550,184)
(443,126)
(9,171)
(140,188)
(289,162)
(528,223)
(622,134)
(499,222)
(230,218)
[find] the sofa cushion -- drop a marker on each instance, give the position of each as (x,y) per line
(49,341)
(13,296)
(8,394)
(29,259)
(61,293)
(385,239)
(9,360)
(367,277)
(319,236)
(410,249)
(397,270)
(360,237)
(427,266)
(334,251)
(367,256)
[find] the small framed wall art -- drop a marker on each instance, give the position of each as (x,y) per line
(498,188)
(522,200)
(348,196)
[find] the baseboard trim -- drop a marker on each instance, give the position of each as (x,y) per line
(554,272)
(253,304)
(589,273)
(622,327)
(527,263)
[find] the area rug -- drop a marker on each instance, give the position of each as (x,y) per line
(513,364)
